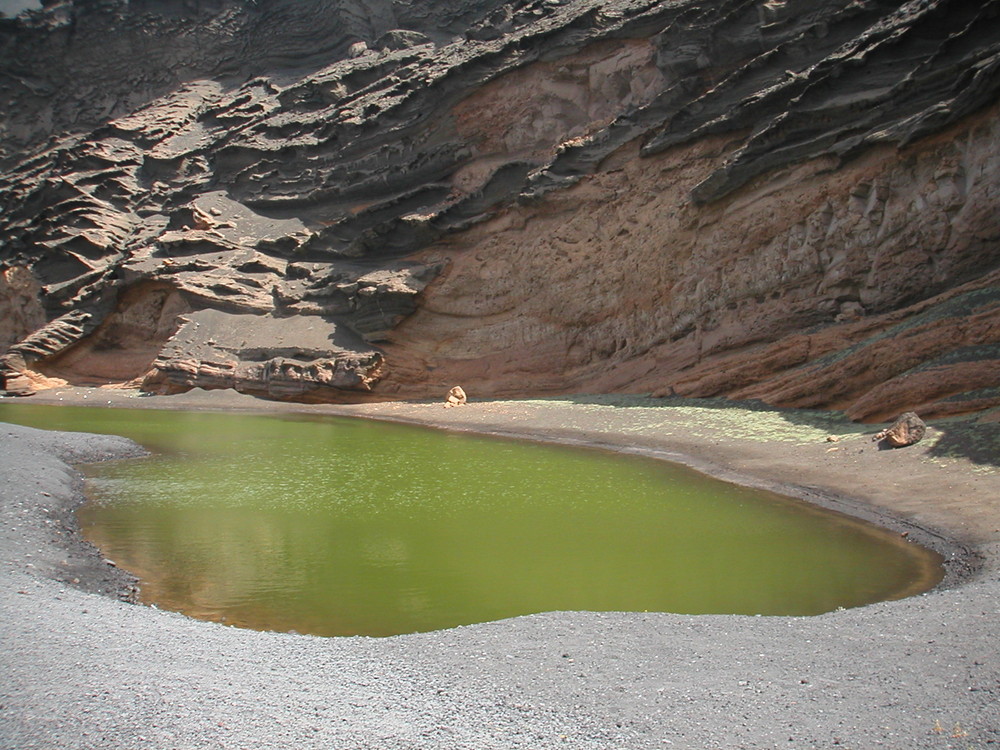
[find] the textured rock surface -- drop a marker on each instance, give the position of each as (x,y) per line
(906,430)
(792,201)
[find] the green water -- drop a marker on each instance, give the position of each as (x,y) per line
(339,526)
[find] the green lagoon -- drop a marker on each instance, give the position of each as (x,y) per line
(336,526)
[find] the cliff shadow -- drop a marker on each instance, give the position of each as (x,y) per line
(975,437)
(970,438)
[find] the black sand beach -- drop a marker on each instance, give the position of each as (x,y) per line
(83,669)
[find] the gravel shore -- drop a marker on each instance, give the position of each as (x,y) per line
(84,669)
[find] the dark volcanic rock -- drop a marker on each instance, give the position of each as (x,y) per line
(301,358)
(532,196)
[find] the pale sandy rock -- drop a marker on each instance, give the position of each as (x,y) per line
(456,397)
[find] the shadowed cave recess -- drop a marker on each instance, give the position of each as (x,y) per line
(337,200)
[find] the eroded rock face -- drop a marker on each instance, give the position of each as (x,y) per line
(301,358)
(792,201)
(80,63)
(20,305)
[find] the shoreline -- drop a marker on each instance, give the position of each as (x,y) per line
(857,677)
(960,540)
(960,559)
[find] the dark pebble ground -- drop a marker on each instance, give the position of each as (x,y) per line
(83,669)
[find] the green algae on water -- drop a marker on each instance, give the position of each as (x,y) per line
(335,526)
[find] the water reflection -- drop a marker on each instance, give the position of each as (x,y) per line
(334,526)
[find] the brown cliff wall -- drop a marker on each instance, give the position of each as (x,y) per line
(792,201)
(810,287)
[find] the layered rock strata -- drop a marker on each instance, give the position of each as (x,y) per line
(791,201)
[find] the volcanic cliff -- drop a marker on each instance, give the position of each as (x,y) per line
(332,200)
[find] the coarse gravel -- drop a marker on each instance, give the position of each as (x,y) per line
(83,669)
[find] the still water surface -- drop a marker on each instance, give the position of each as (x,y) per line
(337,526)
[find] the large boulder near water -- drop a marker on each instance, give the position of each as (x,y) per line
(906,430)
(788,201)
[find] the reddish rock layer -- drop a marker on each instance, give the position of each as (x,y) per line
(792,201)
(794,291)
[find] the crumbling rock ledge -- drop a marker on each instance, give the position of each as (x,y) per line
(791,201)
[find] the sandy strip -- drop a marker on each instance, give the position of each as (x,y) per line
(83,670)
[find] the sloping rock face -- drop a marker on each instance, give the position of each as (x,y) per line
(326,200)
